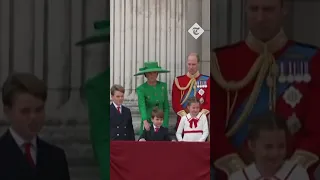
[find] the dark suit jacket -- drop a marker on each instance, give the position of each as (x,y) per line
(51,161)
(121,127)
(151,135)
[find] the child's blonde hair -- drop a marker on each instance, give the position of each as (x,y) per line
(192,100)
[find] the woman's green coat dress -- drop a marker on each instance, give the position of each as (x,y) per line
(150,96)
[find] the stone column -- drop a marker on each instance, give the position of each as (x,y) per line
(46,48)
(205,38)
(194,8)
(146,30)
(150,30)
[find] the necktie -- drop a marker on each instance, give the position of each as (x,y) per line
(157,129)
(119,109)
(27,151)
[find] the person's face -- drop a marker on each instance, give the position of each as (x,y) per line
(157,121)
(193,65)
(270,148)
(27,115)
(265,18)
(194,109)
(152,76)
(117,98)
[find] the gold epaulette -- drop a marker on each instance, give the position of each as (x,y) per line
(182,113)
(205,111)
(230,163)
(304,158)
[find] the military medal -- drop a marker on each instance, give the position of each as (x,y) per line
(292,96)
(306,75)
(293,124)
(290,77)
(201,92)
(297,74)
(201,100)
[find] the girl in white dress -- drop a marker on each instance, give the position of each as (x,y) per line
(267,141)
(193,126)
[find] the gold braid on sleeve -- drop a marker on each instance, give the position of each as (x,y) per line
(191,84)
(264,63)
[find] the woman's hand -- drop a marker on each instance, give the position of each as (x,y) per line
(146,125)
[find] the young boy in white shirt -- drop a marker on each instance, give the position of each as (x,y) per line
(267,141)
(193,126)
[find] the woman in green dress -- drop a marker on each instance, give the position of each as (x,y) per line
(152,94)
(97,92)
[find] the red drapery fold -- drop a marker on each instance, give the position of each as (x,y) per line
(159,160)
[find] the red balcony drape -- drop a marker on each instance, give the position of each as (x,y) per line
(159,160)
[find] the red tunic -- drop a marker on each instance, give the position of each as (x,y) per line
(179,96)
(235,62)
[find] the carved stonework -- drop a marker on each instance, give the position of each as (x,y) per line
(158,35)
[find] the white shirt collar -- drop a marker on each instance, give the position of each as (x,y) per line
(254,173)
(116,105)
(20,141)
(285,169)
(189,116)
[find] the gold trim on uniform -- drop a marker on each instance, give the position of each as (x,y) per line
(230,163)
(304,158)
(205,111)
(182,113)
(258,73)
(274,45)
(191,84)
(192,78)
(195,75)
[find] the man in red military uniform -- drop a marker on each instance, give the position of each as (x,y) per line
(265,72)
(192,84)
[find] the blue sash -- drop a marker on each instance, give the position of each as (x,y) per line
(293,53)
(202,78)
